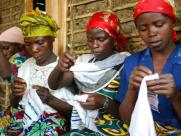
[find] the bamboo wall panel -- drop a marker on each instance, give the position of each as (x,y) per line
(79,11)
(10,12)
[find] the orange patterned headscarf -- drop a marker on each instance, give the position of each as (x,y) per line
(161,6)
(108,22)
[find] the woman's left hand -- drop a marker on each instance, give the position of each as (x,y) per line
(94,101)
(42,92)
(165,86)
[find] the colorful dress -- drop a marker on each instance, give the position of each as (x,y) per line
(5,91)
(164,115)
(50,123)
(105,123)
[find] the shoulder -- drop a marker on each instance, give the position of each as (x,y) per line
(29,61)
(85,58)
(135,57)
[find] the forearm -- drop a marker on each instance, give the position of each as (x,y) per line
(5,68)
(14,101)
(176,102)
(127,106)
(113,109)
(54,78)
(62,107)
(58,78)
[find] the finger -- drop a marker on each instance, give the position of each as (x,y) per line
(151,83)
(19,86)
(39,92)
(90,99)
(87,105)
(64,66)
(144,70)
(36,87)
(166,76)
(18,92)
(19,80)
(70,57)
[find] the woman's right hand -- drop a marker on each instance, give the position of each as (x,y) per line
(19,87)
(65,62)
(137,75)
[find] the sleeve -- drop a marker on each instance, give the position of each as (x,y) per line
(122,87)
(129,65)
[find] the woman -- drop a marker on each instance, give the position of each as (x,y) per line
(11,44)
(11,58)
(37,106)
(96,76)
(155,21)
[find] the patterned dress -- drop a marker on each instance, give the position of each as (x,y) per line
(5,91)
(106,124)
(50,123)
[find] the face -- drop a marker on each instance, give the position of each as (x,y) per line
(40,48)
(8,49)
(155,30)
(100,43)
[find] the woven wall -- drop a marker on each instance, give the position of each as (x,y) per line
(79,11)
(10,12)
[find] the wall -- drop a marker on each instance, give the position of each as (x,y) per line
(79,11)
(72,17)
(10,12)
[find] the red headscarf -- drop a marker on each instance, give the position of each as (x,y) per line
(108,22)
(161,6)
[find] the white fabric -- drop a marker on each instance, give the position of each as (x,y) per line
(33,109)
(86,117)
(90,72)
(38,75)
(142,123)
(87,72)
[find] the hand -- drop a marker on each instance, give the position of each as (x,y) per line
(65,62)
(165,86)
(136,77)
(43,93)
(94,101)
(18,87)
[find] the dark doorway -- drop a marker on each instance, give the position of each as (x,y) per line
(40,4)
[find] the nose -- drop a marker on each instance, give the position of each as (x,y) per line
(95,44)
(35,48)
(152,31)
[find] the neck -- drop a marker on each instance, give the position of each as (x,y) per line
(50,59)
(164,52)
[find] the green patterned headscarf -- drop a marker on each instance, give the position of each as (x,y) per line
(35,23)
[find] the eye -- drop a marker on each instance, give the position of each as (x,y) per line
(89,40)
(6,48)
(101,39)
(27,44)
(142,28)
(40,42)
(159,24)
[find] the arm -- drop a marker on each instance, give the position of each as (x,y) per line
(61,76)
(63,107)
(176,102)
(127,105)
(18,90)
(166,86)
(5,68)
(97,101)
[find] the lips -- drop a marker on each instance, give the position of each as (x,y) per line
(154,43)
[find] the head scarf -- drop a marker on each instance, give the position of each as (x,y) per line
(161,6)
(35,23)
(12,35)
(108,22)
